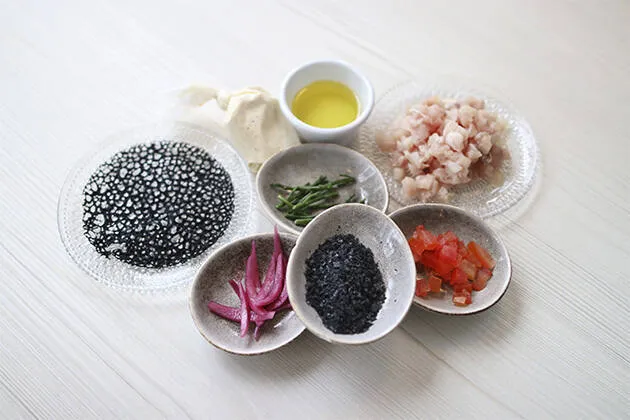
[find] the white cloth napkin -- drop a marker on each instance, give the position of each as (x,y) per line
(251,119)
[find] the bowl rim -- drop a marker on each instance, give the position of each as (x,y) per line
(330,147)
(198,322)
(342,338)
(360,119)
(478,220)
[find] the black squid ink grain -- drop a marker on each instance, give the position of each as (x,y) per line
(344,285)
(158,204)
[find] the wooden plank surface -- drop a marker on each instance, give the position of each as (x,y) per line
(556,346)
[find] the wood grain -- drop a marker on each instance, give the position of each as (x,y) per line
(556,346)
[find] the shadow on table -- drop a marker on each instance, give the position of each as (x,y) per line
(400,366)
(297,358)
(394,368)
(494,325)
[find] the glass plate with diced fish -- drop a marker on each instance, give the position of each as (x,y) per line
(452,145)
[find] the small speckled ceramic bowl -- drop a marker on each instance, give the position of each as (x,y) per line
(392,254)
(305,163)
(212,283)
(438,218)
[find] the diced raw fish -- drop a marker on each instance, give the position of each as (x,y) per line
(386,142)
(415,159)
(484,143)
(407,143)
(456,141)
(452,114)
(453,167)
(444,142)
(434,100)
(463,161)
(421,133)
(435,115)
(434,139)
(409,187)
(474,102)
(425,182)
(473,153)
(442,194)
(398,174)
(466,115)
(399,160)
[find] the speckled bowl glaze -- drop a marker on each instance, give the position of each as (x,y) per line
(392,254)
(439,218)
(305,163)
(212,283)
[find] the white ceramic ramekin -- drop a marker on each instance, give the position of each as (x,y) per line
(337,71)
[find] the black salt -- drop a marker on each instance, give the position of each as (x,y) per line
(157,204)
(344,285)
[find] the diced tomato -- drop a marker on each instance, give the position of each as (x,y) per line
(447,259)
(435,283)
(461,249)
(416,248)
(431,260)
(481,254)
(483,275)
(428,239)
(418,232)
(448,255)
(462,298)
(468,268)
(448,237)
(458,277)
(422,287)
(473,259)
(463,286)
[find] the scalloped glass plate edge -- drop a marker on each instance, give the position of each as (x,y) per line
(124,277)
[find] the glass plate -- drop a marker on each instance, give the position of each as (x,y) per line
(116,273)
(478,196)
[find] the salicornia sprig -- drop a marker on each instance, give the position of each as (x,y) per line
(300,202)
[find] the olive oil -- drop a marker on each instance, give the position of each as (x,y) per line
(326,104)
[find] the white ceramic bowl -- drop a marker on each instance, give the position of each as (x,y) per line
(380,234)
(212,283)
(337,71)
(304,163)
(439,218)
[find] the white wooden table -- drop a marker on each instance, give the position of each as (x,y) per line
(556,346)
